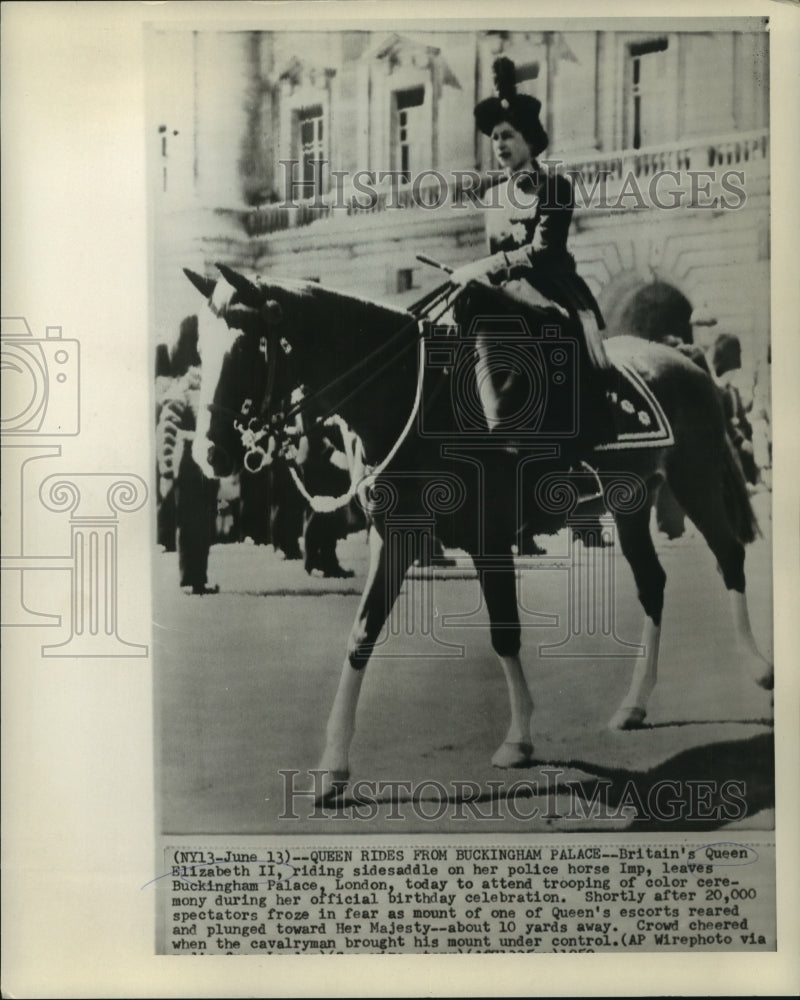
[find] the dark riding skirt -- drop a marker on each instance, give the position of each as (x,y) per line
(559,281)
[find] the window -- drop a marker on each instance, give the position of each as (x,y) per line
(406,279)
(406,140)
(310,148)
(646,72)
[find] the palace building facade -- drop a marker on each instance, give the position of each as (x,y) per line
(339,156)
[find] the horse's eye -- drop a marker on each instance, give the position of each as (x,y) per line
(247,406)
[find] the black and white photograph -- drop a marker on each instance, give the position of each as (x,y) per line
(463,429)
(399,530)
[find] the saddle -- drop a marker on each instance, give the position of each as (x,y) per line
(542,377)
(638,419)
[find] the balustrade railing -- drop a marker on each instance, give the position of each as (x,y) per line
(729,151)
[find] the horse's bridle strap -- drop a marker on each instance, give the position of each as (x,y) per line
(326,504)
(418,312)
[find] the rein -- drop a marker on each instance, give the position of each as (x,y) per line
(325,504)
(421,310)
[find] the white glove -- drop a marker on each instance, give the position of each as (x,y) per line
(487,268)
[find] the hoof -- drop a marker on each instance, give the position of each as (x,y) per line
(513,753)
(627,718)
(332,787)
(766,681)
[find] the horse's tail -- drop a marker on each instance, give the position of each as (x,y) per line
(735,496)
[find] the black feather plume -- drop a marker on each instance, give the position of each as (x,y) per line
(505,78)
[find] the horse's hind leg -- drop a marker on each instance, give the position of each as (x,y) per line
(636,543)
(498,582)
(384,579)
(703,498)
(762,669)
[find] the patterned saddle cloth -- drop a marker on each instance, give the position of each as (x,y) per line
(639,419)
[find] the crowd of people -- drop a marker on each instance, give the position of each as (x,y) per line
(264,507)
(527,242)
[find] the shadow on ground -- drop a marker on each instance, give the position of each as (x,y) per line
(738,784)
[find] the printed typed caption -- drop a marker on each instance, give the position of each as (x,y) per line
(451,899)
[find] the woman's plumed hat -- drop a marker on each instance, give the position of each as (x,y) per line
(519,110)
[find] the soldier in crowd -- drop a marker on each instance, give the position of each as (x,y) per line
(256,493)
(320,453)
(286,511)
(736,392)
(165,495)
(326,470)
(737,398)
(759,414)
(182,484)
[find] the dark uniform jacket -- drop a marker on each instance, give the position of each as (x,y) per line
(527,219)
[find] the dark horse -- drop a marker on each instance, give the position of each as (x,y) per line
(427,448)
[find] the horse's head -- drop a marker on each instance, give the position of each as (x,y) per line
(282,335)
(248,374)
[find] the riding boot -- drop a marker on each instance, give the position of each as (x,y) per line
(487,391)
(494,397)
(598,381)
(594,340)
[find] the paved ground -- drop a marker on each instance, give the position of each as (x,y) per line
(245,678)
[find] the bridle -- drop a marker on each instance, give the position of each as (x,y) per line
(275,426)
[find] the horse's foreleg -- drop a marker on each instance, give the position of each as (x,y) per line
(384,579)
(499,589)
(637,546)
(335,761)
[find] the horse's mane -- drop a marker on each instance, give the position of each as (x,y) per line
(503,300)
(335,309)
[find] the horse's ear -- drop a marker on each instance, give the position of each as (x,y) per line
(249,293)
(203,285)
